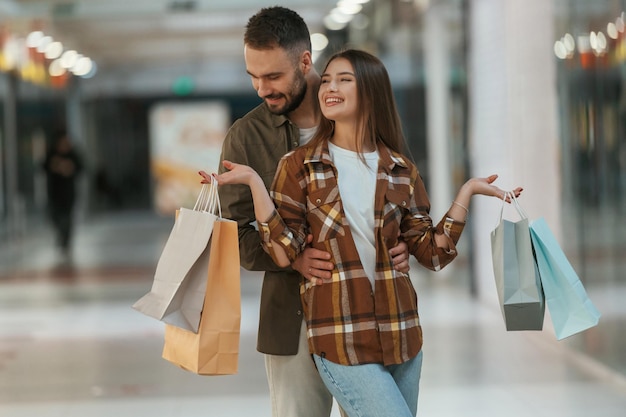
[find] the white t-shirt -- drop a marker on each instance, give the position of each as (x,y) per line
(306,135)
(357,187)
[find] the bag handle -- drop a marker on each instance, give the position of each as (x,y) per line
(201,200)
(518,207)
(501,209)
(209,200)
(214,206)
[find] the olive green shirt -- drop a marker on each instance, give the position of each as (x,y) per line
(259,140)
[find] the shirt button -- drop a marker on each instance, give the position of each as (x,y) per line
(295,143)
(299,312)
(318,201)
(403,203)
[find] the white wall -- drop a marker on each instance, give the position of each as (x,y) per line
(513,117)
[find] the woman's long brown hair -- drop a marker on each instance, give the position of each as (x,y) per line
(378,120)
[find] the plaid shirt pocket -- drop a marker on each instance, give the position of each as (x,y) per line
(325,213)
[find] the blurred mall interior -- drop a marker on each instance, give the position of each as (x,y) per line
(531,90)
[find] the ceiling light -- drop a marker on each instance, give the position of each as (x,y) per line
(319,41)
(53,50)
(611,30)
(619,24)
(348,7)
(601,41)
(56,69)
(92,72)
(340,16)
(69,58)
(82,67)
(33,39)
(559,50)
(568,41)
(43,43)
(332,24)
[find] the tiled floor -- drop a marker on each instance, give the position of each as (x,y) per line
(70,345)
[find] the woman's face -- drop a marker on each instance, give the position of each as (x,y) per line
(338,92)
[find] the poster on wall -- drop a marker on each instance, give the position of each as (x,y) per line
(184,138)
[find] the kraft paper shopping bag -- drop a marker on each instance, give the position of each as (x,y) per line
(178,288)
(516,274)
(570,308)
(214,349)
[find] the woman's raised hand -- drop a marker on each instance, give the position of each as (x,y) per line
(235,174)
(477,186)
(206,178)
(485,186)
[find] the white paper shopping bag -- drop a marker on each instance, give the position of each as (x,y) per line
(178,288)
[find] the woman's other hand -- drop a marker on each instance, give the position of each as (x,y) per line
(235,174)
(485,186)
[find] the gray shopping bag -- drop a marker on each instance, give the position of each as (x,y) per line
(179,285)
(516,274)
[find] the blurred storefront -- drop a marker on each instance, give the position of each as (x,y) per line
(590,50)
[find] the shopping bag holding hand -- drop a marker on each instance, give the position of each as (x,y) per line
(178,288)
(516,274)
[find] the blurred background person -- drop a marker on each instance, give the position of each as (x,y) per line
(62,165)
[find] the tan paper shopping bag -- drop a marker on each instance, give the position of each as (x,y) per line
(214,350)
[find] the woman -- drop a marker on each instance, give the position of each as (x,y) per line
(356,193)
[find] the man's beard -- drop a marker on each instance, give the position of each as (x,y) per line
(297,94)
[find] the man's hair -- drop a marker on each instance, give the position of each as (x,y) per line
(279,27)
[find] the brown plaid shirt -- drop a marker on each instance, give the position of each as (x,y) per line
(347,322)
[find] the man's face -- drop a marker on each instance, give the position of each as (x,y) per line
(276,78)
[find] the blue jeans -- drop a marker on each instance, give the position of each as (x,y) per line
(373,390)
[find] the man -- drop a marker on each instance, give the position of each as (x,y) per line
(62,165)
(277,52)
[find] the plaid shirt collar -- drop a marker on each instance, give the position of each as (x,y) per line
(389,158)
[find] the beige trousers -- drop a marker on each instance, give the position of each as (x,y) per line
(296,389)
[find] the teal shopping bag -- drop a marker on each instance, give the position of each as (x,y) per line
(570,308)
